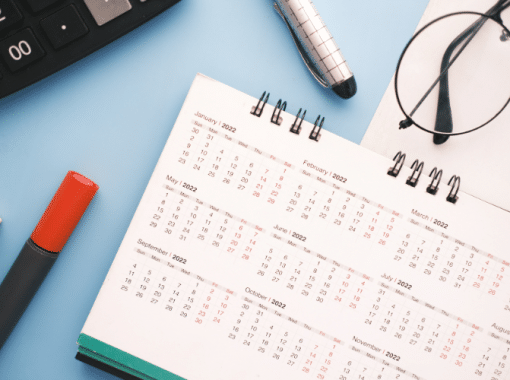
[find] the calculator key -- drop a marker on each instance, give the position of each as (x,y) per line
(39,5)
(9,15)
(64,26)
(106,10)
(20,50)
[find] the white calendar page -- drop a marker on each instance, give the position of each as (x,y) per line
(259,253)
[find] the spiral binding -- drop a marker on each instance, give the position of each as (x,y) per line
(316,131)
(415,176)
(435,174)
(277,119)
(255,110)
(296,127)
(399,162)
(452,196)
(434,185)
(280,106)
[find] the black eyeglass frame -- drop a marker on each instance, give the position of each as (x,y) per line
(409,120)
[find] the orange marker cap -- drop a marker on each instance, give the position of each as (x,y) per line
(64,212)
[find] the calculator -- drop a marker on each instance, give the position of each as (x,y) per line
(41,37)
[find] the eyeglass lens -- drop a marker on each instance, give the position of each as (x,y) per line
(453,77)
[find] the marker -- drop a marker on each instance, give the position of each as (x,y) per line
(317,47)
(42,248)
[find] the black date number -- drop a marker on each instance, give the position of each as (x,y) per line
(405,284)
(179,259)
(441,224)
(228,128)
(298,236)
(189,187)
(278,303)
(339,178)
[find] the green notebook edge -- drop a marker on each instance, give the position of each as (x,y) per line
(121,360)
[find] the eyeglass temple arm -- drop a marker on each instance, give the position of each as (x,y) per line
(444,122)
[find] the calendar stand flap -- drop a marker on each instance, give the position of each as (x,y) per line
(117,362)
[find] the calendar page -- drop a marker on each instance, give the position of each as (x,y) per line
(257,253)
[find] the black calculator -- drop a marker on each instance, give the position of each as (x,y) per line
(40,37)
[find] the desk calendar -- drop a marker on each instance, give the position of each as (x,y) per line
(257,253)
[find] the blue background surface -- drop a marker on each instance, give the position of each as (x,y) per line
(109,115)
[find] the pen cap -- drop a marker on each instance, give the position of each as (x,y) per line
(64,212)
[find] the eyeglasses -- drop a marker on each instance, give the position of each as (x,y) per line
(452,77)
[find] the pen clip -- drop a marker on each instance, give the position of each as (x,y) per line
(308,62)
